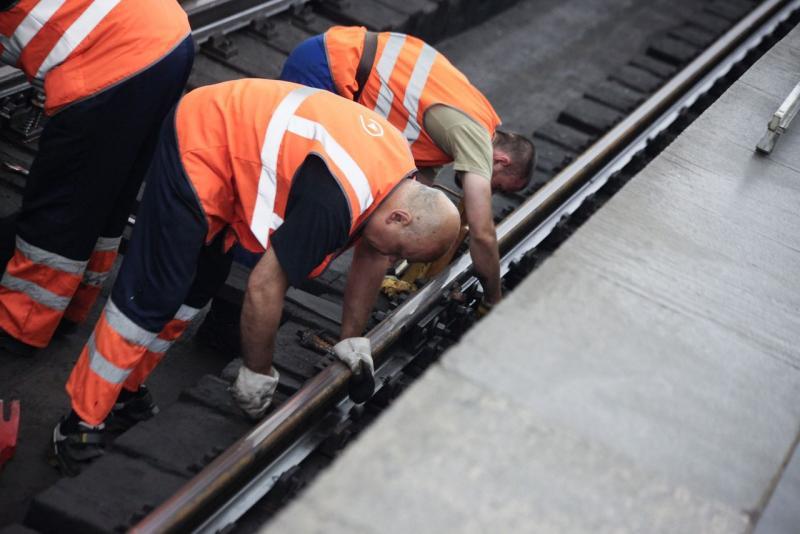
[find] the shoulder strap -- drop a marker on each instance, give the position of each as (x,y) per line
(365,64)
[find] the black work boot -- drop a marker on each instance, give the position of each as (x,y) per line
(130,408)
(76,444)
(12,345)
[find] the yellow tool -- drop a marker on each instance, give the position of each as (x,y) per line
(393,286)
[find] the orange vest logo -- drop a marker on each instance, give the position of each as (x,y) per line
(371,127)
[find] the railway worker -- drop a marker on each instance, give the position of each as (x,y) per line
(111,70)
(294,173)
(442,115)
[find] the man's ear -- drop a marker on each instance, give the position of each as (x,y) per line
(400,216)
(501,157)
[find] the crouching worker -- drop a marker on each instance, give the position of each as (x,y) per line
(443,116)
(292,172)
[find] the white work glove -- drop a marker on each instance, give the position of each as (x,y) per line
(356,353)
(253,391)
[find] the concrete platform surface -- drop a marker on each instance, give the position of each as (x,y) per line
(646,378)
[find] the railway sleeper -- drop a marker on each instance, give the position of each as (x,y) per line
(673,51)
(590,117)
(655,66)
(616,96)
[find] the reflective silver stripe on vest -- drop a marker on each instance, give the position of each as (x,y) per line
(36,292)
(353,173)
(95,278)
(102,366)
(75,34)
(159,345)
(383,104)
(126,328)
(27,29)
(416,84)
(186,313)
(107,244)
(263,219)
(50,259)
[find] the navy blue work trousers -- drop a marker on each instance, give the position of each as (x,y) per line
(168,263)
(93,155)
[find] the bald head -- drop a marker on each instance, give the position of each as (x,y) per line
(436,221)
(416,222)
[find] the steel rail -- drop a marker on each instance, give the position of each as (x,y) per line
(237,14)
(245,458)
(240,13)
(299,449)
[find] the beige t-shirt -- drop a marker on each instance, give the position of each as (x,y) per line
(460,137)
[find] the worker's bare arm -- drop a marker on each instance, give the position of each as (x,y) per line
(363,283)
(482,235)
(261,312)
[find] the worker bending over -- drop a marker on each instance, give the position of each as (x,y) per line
(297,172)
(111,70)
(442,115)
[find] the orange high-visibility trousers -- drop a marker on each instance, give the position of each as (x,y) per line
(119,354)
(93,156)
(98,269)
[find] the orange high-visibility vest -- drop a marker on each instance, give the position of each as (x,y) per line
(76,48)
(241,143)
(407,77)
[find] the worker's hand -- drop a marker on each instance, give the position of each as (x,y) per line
(253,391)
(356,353)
